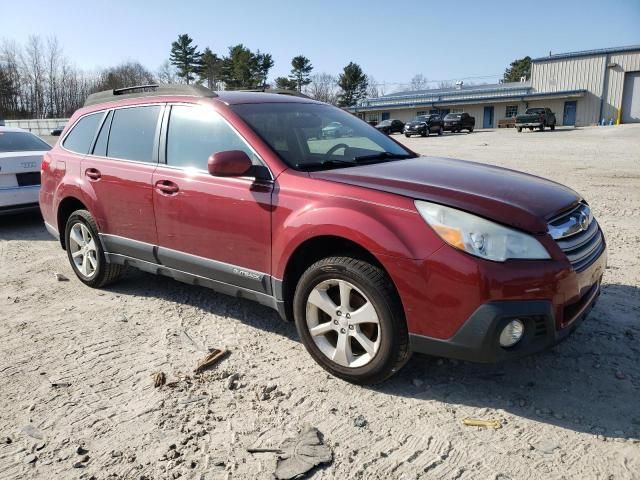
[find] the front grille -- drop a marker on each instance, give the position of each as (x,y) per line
(579,236)
(27,179)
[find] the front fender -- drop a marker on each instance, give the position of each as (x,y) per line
(385,231)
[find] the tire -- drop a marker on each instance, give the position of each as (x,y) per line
(553,127)
(471,130)
(531,129)
(441,131)
(519,129)
(425,133)
(93,270)
(388,339)
(407,135)
(541,127)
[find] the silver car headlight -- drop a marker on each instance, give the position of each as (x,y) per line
(480,237)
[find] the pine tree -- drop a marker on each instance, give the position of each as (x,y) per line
(186,58)
(286,84)
(301,71)
(519,68)
(353,84)
(264,62)
(211,69)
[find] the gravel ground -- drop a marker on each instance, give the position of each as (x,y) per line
(76,364)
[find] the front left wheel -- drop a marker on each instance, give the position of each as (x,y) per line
(350,320)
(85,252)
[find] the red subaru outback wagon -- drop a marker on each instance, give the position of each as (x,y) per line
(374,251)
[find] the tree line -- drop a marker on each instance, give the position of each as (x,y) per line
(37,80)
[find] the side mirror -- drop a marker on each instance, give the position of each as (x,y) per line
(232,163)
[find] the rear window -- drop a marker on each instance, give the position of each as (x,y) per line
(21,142)
(133,133)
(81,135)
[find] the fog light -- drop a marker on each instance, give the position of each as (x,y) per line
(512,333)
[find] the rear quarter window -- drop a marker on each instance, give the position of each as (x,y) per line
(82,133)
(133,133)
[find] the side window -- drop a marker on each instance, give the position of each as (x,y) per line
(81,135)
(101,143)
(195,133)
(133,133)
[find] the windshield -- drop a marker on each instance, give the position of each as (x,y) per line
(384,123)
(453,116)
(21,142)
(311,136)
(535,110)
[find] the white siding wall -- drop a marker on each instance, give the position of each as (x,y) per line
(573,74)
(588,73)
(626,62)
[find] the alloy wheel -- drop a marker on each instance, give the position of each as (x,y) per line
(343,323)
(83,249)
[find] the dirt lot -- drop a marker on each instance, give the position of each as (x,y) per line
(572,412)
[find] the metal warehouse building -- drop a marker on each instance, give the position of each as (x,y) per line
(582,88)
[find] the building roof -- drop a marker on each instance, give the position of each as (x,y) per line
(588,53)
(448,95)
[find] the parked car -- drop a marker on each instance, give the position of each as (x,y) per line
(56,132)
(424,125)
(456,122)
(372,250)
(20,156)
(390,126)
(336,130)
(536,118)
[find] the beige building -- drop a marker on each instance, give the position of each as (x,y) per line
(581,88)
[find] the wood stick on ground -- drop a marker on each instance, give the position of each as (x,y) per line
(214,357)
(476,422)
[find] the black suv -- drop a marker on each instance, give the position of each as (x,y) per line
(390,126)
(424,125)
(456,122)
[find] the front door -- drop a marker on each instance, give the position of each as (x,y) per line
(569,116)
(487,119)
(119,173)
(215,227)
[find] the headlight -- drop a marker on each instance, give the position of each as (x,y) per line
(478,236)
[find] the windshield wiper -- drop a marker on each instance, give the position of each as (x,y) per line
(382,156)
(330,162)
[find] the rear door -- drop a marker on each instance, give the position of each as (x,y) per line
(118,173)
(214,227)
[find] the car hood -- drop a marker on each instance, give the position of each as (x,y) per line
(509,197)
(415,124)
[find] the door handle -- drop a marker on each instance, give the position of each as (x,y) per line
(167,187)
(93,173)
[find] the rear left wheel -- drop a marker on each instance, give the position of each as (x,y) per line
(85,253)
(350,320)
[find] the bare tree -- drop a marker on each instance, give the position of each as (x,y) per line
(166,73)
(419,82)
(445,84)
(372,91)
(125,75)
(323,87)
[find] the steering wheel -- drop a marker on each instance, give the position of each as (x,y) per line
(333,150)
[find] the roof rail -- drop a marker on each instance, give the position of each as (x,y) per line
(153,90)
(278,91)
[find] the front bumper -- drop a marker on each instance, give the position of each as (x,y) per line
(528,124)
(477,339)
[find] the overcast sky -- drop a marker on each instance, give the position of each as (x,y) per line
(392,41)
